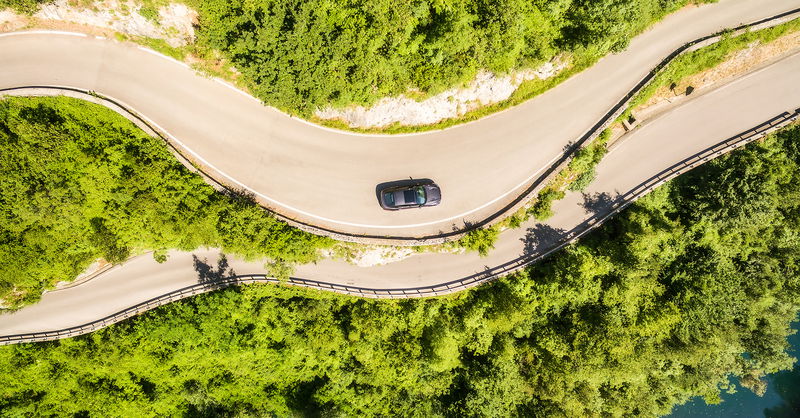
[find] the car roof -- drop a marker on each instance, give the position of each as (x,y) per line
(400,197)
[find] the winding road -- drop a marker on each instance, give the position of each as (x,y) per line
(297,168)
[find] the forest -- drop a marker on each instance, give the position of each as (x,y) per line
(78,182)
(692,286)
(299,55)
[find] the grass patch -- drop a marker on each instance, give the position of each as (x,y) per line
(149,13)
(160,45)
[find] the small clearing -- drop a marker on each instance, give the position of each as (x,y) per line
(486,89)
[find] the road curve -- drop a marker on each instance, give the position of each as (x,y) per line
(690,134)
(298,169)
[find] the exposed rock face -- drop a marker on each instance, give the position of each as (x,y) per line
(487,88)
(174,24)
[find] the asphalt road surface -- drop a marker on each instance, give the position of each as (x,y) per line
(328,178)
(647,150)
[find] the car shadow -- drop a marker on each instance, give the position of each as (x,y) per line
(407,182)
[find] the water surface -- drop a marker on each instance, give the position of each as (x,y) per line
(781,400)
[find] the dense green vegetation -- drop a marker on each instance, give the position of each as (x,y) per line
(79,182)
(693,283)
(301,54)
(22,6)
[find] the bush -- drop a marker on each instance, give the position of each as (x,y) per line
(28,7)
(583,180)
(481,240)
(149,13)
(542,209)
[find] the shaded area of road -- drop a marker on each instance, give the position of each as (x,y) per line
(650,149)
(299,169)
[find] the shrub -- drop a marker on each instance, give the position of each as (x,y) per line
(583,180)
(27,7)
(481,240)
(149,13)
(542,209)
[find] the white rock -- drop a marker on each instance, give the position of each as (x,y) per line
(174,26)
(380,255)
(7,16)
(487,88)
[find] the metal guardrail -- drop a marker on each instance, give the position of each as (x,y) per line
(568,238)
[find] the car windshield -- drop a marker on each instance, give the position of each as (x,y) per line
(420,195)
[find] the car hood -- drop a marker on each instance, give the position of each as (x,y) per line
(433,194)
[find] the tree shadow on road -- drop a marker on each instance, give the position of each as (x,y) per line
(540,238)
(599,203)
(240,195)
(206,273)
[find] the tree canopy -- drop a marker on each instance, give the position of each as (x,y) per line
(693,284)
(303,54)
(79,182)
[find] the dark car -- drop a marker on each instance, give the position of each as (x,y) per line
(414,195)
